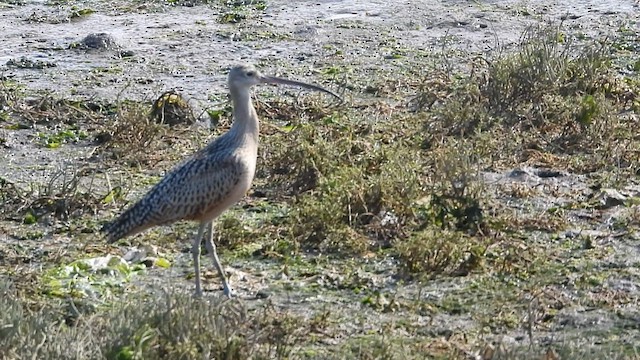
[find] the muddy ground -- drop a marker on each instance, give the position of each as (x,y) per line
(343,45)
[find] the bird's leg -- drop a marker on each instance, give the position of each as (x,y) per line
(211,248)
(195,251)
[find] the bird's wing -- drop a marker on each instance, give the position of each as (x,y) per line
(190,189)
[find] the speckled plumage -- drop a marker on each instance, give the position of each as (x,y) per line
(210,181)
(188,190)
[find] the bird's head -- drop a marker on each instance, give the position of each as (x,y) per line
(245,76)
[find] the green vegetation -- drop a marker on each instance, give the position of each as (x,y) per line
(238,11)
(168,325)
(54,141)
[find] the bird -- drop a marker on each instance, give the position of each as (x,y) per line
(211,180)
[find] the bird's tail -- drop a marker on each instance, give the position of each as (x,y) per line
(131,222)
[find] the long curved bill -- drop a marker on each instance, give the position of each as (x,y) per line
(277,80)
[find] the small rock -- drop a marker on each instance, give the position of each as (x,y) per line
(540,173)
(134,255)
(596,234)
(126,53)
(102,138)
(172,109)
(548,173)
(148,262)
(262,294)
(570,17)
(151,250)
(609,198)
(520,172)
(281,276)
(26,63)
(488,352)
(306,31)
(145,255)
(508,340)
(99,41)
(103,263)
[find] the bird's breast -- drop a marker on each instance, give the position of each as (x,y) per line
(245,167)
(249,157)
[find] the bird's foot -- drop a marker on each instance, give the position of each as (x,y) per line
(228,292)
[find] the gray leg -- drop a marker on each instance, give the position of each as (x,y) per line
(195,251)
(211,248)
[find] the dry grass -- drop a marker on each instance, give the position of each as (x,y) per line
(68,193)
(164,326)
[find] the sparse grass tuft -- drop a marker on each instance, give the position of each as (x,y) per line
(546,62)
(164,326)
(68,193)
(436,251)
(48,110)
(132,137)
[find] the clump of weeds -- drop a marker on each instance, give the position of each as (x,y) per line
(48,110)
(68,193)
(134,137)
(350,191)
(451,234)
(550,95)
(237,11)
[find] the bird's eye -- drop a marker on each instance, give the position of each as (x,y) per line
(250,73)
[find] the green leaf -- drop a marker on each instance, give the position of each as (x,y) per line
(29,218)
(113,195)
(288,128)
(126,353)
(163,263)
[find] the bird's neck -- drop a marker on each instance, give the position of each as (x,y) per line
(245,119)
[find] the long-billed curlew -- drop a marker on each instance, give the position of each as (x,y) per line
(209,182)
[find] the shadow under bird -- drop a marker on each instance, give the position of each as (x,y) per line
(211,180)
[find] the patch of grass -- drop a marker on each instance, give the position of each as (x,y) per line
(88,278)
(238,11)
(376,346)
(27,63)
(350,193)
(231,17)
(544,63)
(167,325)
(549,96)
(77,12)
(577,349)
(451,234)
(69,193)
(124,130)
(47,110)
(435,251)
(232,232)
(134,138)
(190,3)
